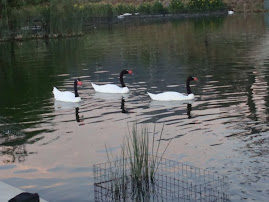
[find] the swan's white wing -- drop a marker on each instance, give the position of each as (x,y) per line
(65,96)
(169,96)
(109,88)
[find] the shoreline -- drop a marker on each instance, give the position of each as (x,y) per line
(93,22)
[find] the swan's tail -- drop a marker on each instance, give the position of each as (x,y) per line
(95,87)
(55,92)
(152,96)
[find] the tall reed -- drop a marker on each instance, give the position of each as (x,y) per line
(138,162)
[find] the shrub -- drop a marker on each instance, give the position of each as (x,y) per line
(176,6)
(203,5)
(144,8)
(158,8)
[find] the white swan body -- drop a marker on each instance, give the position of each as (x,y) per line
(112,88)
(65,96)
(170,96)
(109,88)
(173,96)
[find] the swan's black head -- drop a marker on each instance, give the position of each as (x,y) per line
(191,78)
(78,82)
(121,76)
(126,71)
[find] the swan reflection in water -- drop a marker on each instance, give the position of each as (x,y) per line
(79,119)
(110,96)
(58,105)
(123,110)
(189,108)
(173,104)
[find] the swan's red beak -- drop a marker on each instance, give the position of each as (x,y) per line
(79,83)
(130,71)
(195,79)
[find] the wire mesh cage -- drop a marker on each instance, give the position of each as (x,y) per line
(9,131)
(162,180)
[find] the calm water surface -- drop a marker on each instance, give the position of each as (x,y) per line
(224,130)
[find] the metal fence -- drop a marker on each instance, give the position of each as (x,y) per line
(9,131)
(172,181)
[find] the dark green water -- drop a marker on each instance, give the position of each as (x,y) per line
(224,130)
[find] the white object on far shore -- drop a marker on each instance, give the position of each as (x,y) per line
(230,12)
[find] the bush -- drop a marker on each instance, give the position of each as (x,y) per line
(203,5)
(144,8)
(176,6)
(157,8)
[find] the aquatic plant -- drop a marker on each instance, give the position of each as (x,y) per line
(138,162)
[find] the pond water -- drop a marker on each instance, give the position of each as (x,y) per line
(224,130)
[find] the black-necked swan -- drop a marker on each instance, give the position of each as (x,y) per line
(112,88)
(67,96)
(170,95)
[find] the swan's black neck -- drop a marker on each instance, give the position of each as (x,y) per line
(121,78)
(75,88)
(188,85)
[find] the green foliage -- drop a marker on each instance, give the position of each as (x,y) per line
(204,5)
(95,10)
(176,6)
(144,8)
(158,8)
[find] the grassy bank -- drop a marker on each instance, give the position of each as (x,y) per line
(56,18)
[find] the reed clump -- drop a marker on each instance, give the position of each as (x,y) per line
(138,162)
